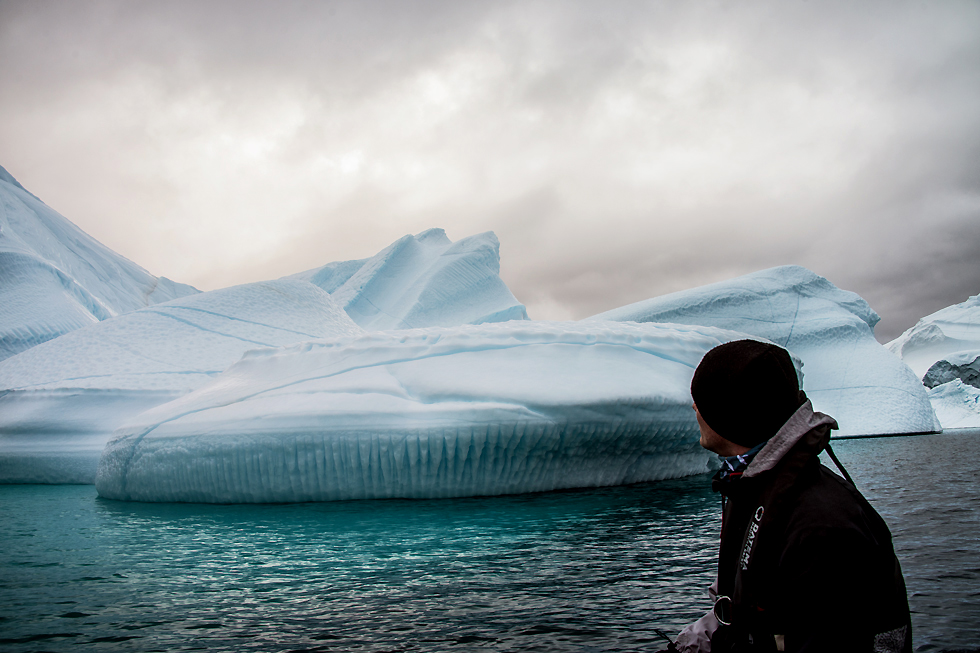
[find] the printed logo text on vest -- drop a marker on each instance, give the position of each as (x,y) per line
(750,537)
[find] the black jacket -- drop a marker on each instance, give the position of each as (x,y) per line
(807,562)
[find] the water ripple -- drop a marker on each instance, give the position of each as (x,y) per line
(591,570)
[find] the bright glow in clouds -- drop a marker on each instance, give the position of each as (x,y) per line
(619,152)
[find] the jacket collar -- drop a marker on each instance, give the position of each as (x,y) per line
(804,420)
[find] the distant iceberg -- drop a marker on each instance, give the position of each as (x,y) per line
(944,350)
(847,373)
(438,412)
(952,330)
(55,278)
(61,400)
(420,281)
(957,404)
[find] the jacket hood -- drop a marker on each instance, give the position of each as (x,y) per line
(802,422)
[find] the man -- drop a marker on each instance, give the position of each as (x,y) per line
(805,563)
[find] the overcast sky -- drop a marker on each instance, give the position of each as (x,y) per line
(619,150)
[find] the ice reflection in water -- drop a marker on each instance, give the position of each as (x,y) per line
(582,570)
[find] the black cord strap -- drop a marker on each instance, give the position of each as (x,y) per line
(830,452)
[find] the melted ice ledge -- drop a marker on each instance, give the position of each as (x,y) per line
(473,410)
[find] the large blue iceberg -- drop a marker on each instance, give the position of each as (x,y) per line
(437,412)
(61,399)
(412,373)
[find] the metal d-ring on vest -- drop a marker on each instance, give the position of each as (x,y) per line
(723,610)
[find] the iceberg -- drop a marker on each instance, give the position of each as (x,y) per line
(944,350)
(484,409)
(421,281)
(61,397)
(55,278)
(61,400)
(957,404)
(952,330)
(848,374)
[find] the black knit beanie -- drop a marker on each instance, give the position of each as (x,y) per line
(746,390)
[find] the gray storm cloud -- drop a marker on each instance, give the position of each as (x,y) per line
(619,152)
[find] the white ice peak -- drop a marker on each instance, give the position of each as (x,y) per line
(55,278)
(423,280)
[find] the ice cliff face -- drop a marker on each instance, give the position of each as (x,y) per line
(423,280)
(55,278)
(61,400)
(847,373)
(437,412)
(964,366)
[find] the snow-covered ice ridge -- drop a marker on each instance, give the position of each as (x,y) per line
(55,278)
(952,330)
(939,346)
(437,412)
(61,400)
(421,281)
(848,374)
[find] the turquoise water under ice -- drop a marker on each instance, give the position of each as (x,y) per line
(588,570)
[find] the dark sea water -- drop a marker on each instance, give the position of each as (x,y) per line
(589,570)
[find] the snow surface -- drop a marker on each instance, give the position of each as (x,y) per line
(438,412)
(332,275)
(848,374)
(957,404)
(949,331)
(55,278)
(422,280)
(61,400)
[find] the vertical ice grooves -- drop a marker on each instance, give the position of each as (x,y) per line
(455,461)
(524,407)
